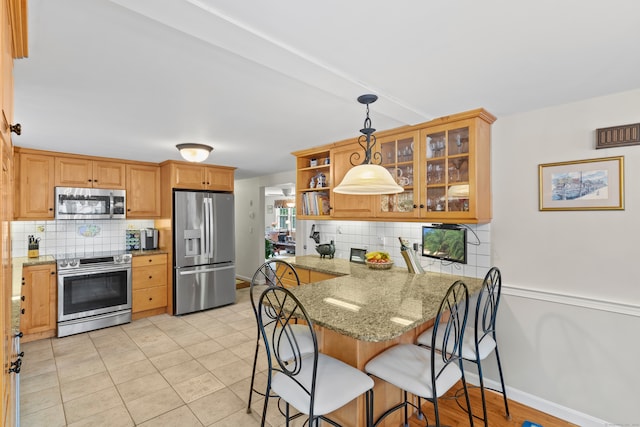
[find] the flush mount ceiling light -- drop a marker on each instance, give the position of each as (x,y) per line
(194,152)
(368,177)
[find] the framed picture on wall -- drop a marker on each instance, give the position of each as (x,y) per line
(591,184)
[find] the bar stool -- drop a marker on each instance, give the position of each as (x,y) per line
(428,372)
(274,273)
(315,384)
(480,339)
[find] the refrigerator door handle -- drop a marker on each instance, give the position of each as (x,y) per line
(204,270)
(211,227)
(205,226)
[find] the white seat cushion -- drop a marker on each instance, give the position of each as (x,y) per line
(468,347)
(408,366)
(303,338)
(336,385)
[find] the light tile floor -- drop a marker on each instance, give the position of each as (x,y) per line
(191,370)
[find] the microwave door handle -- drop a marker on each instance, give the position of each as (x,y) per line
(111,201)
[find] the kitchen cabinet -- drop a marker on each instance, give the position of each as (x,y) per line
(143,191)
(81,172)
(313,184)
(400,156)
(149,285)
(349,205)
(444,166)
(34,186)
(304,275)
(455,161)
(198,177)
(13,42)
(38,306)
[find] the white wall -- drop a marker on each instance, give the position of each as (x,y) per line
(570,318)
(250,219)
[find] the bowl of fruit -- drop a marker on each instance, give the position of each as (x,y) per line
(378,260)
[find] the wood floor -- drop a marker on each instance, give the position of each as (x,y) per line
(452,415)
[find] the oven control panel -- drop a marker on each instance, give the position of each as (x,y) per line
(72,262)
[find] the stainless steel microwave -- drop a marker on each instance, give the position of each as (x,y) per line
(90,203)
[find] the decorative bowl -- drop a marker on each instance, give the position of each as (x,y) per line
(380,265)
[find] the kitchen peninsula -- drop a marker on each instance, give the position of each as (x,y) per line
(361,312)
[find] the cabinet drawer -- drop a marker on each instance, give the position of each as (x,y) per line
(317,276)
(143,260)
(148,276)
(146,299)
(288,278)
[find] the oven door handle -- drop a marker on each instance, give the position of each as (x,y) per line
(204,270)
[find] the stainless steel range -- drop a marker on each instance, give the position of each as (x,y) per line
(93,292)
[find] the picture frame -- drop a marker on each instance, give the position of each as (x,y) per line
(590,184)
(358,255)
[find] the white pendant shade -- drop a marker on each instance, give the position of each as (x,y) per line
(194,152)
(368,179)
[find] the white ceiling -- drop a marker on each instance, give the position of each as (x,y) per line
(259,79)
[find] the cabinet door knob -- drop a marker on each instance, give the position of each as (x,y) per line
(150,299)
(22,297)
(22,311)
(88,180)
(17,128)
(50,209)
(150,277)
(53,273)
(421,206)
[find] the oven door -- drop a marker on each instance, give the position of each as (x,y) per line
(90,292)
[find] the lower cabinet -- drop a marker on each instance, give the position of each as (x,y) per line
(38,306)
(149,285)
(305,276)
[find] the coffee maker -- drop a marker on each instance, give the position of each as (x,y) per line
(148,239)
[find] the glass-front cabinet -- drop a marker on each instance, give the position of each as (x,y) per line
(400,153)
(457,170)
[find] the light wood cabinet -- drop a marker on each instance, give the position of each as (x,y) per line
(199,177)
(13,42)
(143,191)
(304,275)
(149,284)
(444,166)
(456,165)
(79,172)
(39,298)
(34,186)
(349,205)
(313,184)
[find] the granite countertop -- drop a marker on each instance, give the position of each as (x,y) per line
(372,305)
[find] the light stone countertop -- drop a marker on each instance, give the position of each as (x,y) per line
(380,304)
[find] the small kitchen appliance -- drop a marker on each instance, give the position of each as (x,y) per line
(148,239)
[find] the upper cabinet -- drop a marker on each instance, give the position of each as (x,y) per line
(444,166)
(143,191)
(34,178)
(455,163)
(80,172)
(198,177)
(313,184)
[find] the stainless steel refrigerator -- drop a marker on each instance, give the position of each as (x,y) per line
(203,251)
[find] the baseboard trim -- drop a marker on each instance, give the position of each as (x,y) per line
(540,404)
(574,300)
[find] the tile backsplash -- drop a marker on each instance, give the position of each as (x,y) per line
(383,236)
(73,236)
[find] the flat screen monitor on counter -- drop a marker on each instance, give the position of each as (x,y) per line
(445,242)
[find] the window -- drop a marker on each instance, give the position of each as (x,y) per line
(285,218)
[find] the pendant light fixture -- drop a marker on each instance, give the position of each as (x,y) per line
(368,177)
(194,152)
